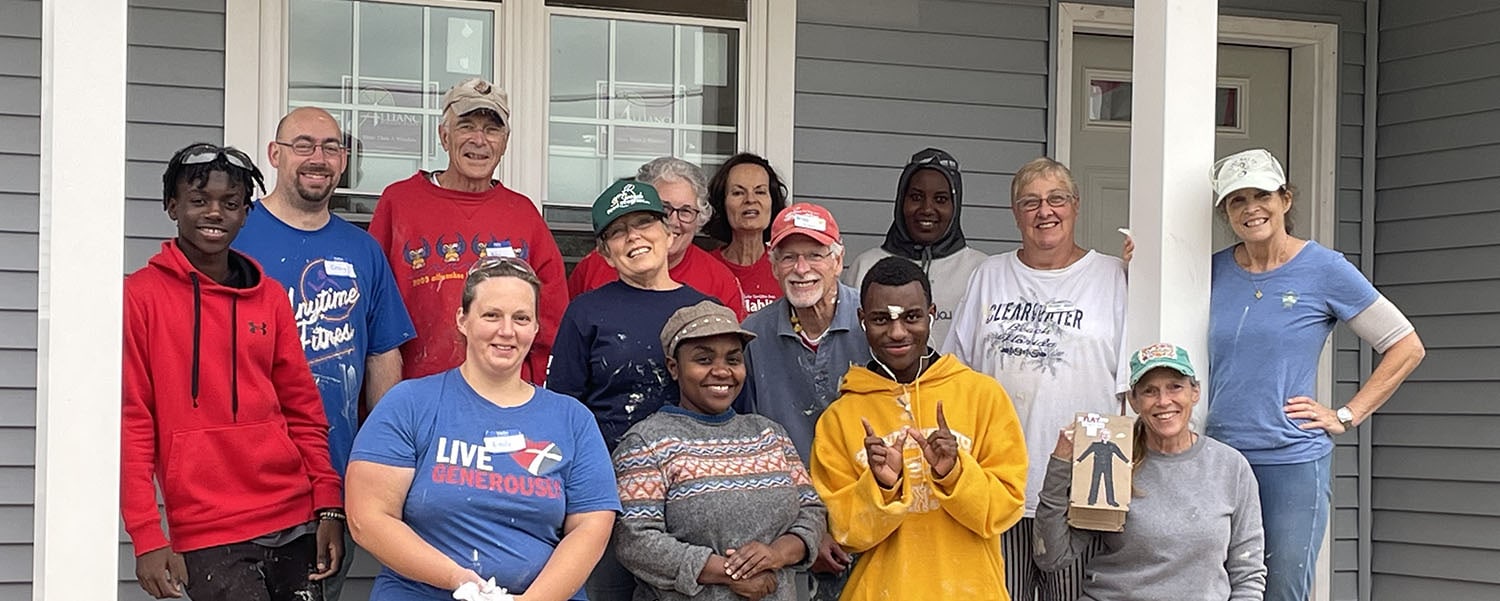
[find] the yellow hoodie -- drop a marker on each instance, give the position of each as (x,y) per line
(927,538)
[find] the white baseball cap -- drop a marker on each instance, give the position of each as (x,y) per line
(1254,168)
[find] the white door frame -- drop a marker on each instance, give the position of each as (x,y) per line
(1312,141)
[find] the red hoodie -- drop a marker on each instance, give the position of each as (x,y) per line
(433,235)
(220,407)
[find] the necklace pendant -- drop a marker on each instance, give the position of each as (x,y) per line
(1257,294)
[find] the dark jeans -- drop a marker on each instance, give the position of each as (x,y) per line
(250,572)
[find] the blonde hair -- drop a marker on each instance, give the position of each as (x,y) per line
(1038,168)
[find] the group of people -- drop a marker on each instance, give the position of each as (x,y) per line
(754,422)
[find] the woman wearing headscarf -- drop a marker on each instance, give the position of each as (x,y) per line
(927,230)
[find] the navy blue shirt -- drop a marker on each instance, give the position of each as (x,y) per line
(608,353)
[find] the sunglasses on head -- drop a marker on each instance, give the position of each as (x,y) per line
(208,153)
(493,263)
(936,158)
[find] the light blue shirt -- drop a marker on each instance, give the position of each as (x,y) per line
(1263,351)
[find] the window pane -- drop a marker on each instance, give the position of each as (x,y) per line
(1227,107)
(381,68)
(674,90)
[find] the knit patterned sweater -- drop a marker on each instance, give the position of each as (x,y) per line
(693,485)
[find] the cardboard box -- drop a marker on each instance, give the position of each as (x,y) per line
(1103,449)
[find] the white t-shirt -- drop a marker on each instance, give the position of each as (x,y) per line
(1052,338)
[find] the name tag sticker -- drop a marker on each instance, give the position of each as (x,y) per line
(338,268)
(500,251)
(504,441)
(811,222)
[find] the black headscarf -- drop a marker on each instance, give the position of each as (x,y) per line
(898,239)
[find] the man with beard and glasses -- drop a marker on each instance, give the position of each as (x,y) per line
(805,341)
(920,460)
(348,311)
(434,225)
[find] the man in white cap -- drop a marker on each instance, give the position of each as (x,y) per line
(434,225)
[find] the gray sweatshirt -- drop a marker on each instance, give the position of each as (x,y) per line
(696,485)
(1193,532)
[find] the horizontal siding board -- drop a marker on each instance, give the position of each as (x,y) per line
(17,368)
(921,49)
(1345,524)
(1442,133)
(1437,561)
(1464,64)
(1436,463)
(146,219)
(20,213)
(893,150)
(18,251)
(1441,36)
(1459,364)
(1435,200)
(878,184)
(1395,15)
(17,447)
(160,141)
(18,290)
(1434,496)
(20,134)
(1471,531)
(1460,331)
(174,28)
(1406,588)
(1446,265)
(21,18)
(1428,397)
(23,56)
(1442,100)
(1469,432)
(176,67)
(1452,231)
(177,106)
(182,5)
(17,485)
(20,173)
(21,95)
(1000,20)
(15,524)
(922,117)
(1440,298)
(917,83)
(17,407)
(17,329)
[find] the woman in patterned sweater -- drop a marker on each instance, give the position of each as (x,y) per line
(716,505)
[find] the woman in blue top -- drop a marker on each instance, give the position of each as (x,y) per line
(607,353)
(473,476)
(1275,299)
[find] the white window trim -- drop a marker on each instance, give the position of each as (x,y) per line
(254,82)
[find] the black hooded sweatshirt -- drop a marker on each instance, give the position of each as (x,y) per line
(898,239)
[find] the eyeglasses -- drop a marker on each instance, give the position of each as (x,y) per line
(935,157)
(208,153)
(812,258)
(683,214)
(305,148)
(490,264)
(618,229)
(1055,200)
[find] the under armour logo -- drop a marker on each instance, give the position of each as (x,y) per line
(257,328)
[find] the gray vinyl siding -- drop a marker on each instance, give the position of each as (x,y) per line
(1437,224)
(20,149)
(880,79)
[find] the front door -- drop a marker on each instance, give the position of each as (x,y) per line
(1251,112)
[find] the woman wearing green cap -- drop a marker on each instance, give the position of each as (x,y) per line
(1193,531)
(717,505)
(607,352)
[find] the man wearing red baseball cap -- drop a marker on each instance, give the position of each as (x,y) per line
(804,344)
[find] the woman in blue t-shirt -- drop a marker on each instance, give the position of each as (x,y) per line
(1275,299)
(474,477)
(606,353)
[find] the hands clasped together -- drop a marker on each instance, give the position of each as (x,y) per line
(940,449)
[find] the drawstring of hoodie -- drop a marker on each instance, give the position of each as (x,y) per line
(234,354)
(197,331)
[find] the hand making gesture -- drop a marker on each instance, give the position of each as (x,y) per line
(884,459)
(940,448)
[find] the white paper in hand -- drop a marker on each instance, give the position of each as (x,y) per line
(474,591)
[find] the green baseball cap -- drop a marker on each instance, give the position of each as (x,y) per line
(623,198)
(1157,355)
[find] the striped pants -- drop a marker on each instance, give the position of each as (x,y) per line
(1025,581)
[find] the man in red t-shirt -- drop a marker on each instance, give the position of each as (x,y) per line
(434,225)
(684,195)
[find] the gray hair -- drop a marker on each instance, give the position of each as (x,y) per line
(673,169)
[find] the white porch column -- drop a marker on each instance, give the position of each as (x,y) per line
(1171,150)
(81,257)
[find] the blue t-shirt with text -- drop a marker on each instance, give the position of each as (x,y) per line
(345,302)
(492,484)
(1263,351)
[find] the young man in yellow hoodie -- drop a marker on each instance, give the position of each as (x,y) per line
(920,461)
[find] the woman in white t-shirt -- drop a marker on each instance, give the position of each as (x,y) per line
(1047,321)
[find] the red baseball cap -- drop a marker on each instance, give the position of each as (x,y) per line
(807,219)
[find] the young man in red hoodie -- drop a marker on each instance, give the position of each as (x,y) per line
(220,409)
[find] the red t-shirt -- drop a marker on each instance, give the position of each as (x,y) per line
(757,284)
(432,235)
(697,269)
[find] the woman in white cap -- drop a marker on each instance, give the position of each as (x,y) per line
(718,505)
(1193,532)
(1275,299)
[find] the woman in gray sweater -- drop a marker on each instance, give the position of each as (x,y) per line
(1193,532)
(716,505)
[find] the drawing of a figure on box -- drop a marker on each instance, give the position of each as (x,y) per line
(1104,453)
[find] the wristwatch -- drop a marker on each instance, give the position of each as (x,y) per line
(1346,417)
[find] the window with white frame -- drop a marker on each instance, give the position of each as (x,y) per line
(617,83)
